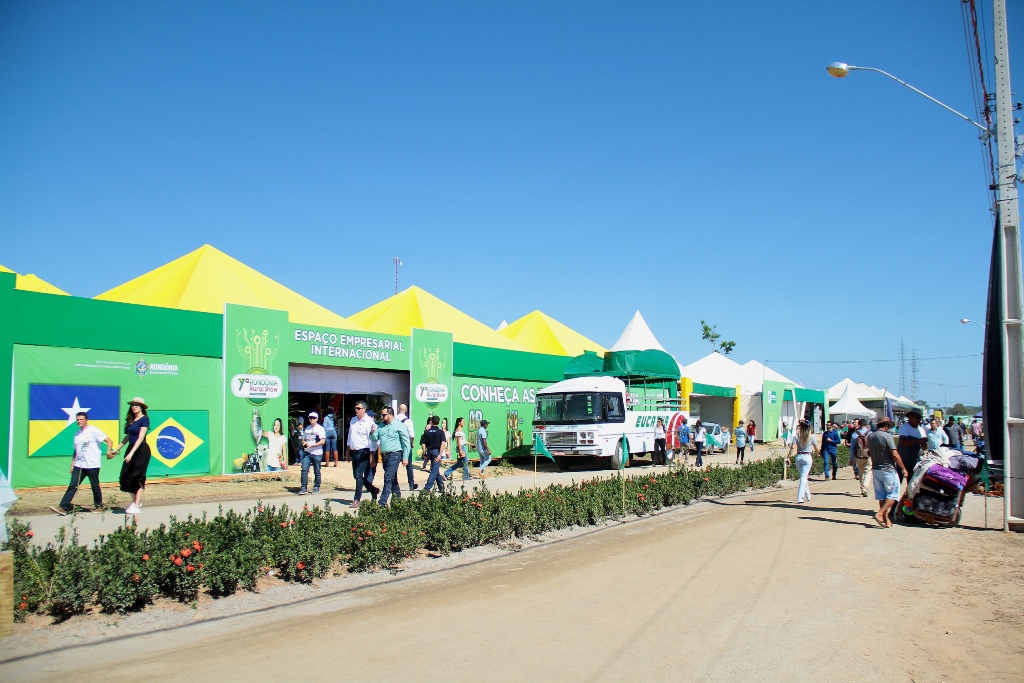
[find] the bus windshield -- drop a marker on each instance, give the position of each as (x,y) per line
(570,408)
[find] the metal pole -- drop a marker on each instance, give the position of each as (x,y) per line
(1010,322)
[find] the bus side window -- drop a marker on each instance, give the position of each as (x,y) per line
(613,410)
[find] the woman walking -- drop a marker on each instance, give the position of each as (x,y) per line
(277,451)
(133,470)
(700,437)
(460,452)
(658,457)
(806,447)
(751,433)
(741,443)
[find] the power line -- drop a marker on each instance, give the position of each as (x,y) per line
(871,360)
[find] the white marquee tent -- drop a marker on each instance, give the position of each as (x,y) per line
(848,406)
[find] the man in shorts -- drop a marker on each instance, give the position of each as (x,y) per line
(885,459)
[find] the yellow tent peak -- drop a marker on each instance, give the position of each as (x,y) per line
(31,283)
(207,278)
(541,333)
(415,307)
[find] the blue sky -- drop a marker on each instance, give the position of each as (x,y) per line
(586,159)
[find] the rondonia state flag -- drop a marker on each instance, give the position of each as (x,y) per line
(51,415)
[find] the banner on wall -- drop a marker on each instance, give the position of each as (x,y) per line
(507,405)
(431,374)
(53,384)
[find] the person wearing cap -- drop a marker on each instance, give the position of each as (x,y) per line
(314,436)
(136,462)
(885,460)
(912,438)
(481,446)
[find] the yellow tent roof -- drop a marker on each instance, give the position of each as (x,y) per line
(31,283)
(543,334)
(415,307)
(207,278)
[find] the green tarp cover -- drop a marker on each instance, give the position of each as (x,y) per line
(809,395)
(713,390)
(647,364)
(587,365)
(787,395)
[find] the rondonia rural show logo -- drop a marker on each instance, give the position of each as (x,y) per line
(258,385)
(432,392)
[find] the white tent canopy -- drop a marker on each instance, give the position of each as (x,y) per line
(637,337)
(849,406)
(860,391)
(718,370)
(755,373)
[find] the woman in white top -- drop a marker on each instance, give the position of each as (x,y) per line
(806,447)
(446,453)
(460,452)
(277,452)
(658,457)
(699,438)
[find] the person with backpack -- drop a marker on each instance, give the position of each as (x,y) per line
(861,454)
(741,443)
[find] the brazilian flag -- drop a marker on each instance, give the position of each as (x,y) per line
(179,441)
(51,413)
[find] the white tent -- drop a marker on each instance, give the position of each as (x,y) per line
(755,373)
(718,370)
(637,337)
(849,406)
(860,391)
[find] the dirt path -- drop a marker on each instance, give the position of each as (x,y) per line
(747,588)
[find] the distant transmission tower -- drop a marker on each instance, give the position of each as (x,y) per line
(397,261)
(913,374)
(903,372)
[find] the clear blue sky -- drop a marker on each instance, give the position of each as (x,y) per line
(588,159)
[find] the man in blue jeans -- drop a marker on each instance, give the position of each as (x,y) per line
(313,439)
(395,448)
(830,449)
(431,442)
(482,447)
(360,430)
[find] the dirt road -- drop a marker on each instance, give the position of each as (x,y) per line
(747,588)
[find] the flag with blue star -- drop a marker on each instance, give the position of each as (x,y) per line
(52,409)
(179,441)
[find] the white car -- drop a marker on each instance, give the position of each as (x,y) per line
(716,439)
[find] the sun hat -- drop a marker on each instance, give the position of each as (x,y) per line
(140,401)
(915,411)
(884,421)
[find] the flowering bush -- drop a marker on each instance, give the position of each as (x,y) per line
(128,568)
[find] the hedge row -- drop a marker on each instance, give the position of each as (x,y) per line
(129,568)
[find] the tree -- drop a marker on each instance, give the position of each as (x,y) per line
(710,334)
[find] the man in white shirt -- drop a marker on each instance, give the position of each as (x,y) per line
(86,463)
(360,428)
(314,436)
(403,417)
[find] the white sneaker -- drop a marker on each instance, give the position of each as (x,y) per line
(132,509)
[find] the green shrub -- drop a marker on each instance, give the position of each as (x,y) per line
(126,569)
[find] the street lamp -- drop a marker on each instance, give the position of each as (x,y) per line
(964,321)
(842,70)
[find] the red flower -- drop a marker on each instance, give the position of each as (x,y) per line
(259,509)
(177,561)
(200,565)
(292,522)
(145,557)
(197,546)
(284,524)
(309,514)
(641,496)
(369,533)
(190,568)
(24,597)
(360,538)
(135,577)
(353,528)
(423,533)
(185,552)
(300,565)
(305,507)
(23,605)
(645,487)
(30,534)
(384,530)
(404,533)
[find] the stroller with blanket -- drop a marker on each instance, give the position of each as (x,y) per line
(936,490)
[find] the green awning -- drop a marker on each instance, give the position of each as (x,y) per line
(787,395)
(714,390)
(649,364)
(809,395)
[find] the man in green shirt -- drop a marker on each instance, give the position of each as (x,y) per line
(395,449)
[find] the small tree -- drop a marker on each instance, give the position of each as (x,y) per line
(710,334)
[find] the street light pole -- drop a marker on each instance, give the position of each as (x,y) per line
(1008,324)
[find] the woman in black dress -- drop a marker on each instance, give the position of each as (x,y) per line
(133,470)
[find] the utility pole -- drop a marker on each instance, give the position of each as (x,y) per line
(397,261)
(913,374)
(1009,323)
(903,371)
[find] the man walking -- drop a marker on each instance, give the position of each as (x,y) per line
(86,463)
(432,442)
(403,418)
(683,431)
(313,439)
(395,448)
(884,461)
(741,443)
(482,447)
(912,438)
(860,452)
(360,429)
(954,434)
(830,449)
